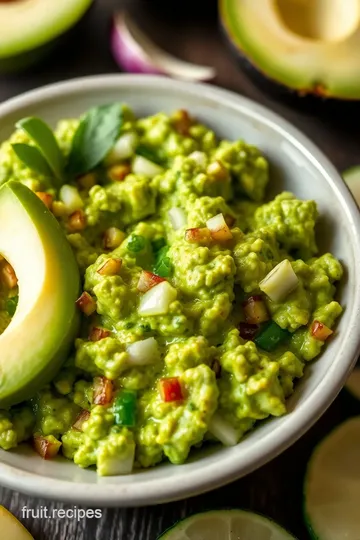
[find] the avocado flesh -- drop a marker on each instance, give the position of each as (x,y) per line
(45,323)
(29,29)
(308,66)
(11,528)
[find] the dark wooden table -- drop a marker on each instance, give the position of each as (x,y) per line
(276,489)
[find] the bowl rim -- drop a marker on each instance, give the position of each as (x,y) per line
(228,468)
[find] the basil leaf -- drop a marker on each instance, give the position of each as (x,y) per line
(94,138)
(46,142)
(32,158)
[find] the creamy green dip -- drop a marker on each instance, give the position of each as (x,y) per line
(200,335)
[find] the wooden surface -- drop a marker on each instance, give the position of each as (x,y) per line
(276,489)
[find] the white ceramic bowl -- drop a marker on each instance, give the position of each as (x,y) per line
(297,165)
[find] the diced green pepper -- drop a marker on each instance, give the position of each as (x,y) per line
(11,305)
(125,408)
(136,243)
(271,336)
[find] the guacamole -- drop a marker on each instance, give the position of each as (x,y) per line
(201,302)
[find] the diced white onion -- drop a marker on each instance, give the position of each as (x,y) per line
(145,167)
(157,300)
(124,148)
(223,431)
(70,196)
(178,218)
(116,465)
(216,223)
(144,352)
(280,282)
(199,157)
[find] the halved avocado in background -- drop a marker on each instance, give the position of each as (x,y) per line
(29,29)
(308,46)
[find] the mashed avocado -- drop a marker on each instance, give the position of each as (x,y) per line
(176,324)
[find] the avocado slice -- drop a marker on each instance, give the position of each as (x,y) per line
(307,46)
(30,28)
(12,528)
(45,322)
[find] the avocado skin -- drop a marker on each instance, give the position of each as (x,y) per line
(28,59)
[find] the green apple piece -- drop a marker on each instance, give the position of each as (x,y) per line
(11,528)
(45,322)
(27,33)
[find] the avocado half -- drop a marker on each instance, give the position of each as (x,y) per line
(311,47)
(29,29)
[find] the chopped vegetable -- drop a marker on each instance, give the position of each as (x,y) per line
(47,447)
(200,158)
(148,280)
(97,333)
(182,122)
(83,416)
(11,305)
(102,391)
(163,266)
(248,331)
(124,148)
(135,53)
(70,196)
(125,408)
(87,181)
(144,352)
(217,171)
(46,198)
(170,389)
(149,153)
(86,304)
(115,465)
(178,218)
(8,276)
(113,237)
(145,167)
(76,221)
(223,431)
(255,310)
(118,173)
(157,300)
(320,331)
(200,235)
(111,267)
(136,243)
(271,336)
(280,282)
(58,208)
(218,228)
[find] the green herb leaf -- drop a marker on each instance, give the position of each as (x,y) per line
(46,142)
(158,244)
(136,243)
(94,138)
(163,266)
(150,154)
(32,158)
(11,305)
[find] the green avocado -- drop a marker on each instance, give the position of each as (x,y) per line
(46,320)
(29,29)
(306,46)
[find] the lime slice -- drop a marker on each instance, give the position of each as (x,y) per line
(353,384)
(226,525)
(11,528)
(332,485)
(352,179)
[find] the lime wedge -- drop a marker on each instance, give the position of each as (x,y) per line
(353,384)
(11,528)
(226,525)
(352,179)
(332,485)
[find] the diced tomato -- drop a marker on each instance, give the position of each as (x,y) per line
(217,171)
(8,275)
(77,221)
(86,303)
(96,333)
(111,267)
(170,389)
(200,235)
(87,181)
(320,331)
(46,198)
(255,310)
(118,173)
(103,390)
(148,280)
(83,416)
(46,448)
(182,122)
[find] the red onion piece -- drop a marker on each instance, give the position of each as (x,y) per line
(248,331)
